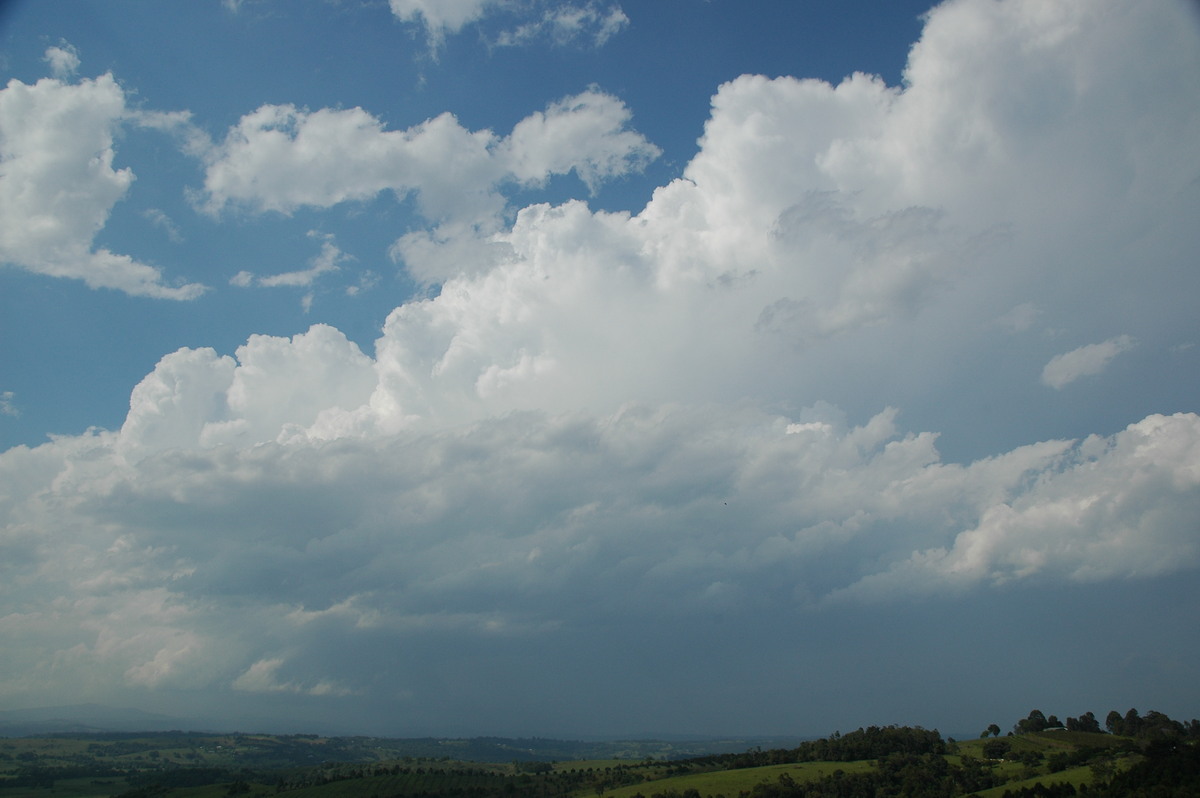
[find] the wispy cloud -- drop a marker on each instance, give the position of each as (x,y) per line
(329,261)
(565,24)
(1086,361)
(159,219)
(589,24)
(263,677)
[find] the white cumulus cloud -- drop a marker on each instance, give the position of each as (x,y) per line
(441,16)
(1115,507)
(328,261)
(63,61)
(280,158)
(59,186)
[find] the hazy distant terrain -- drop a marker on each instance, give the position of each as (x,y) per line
(1138,755)
(81,718)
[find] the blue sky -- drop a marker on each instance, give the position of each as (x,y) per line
(600,367)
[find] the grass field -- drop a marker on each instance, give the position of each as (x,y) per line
(305,766)
(1074,776)
(731,782)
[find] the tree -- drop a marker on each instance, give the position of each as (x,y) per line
(1036,722)
(994,729)
(1113,722)
(1102,770)
(996,749)
(1085,723)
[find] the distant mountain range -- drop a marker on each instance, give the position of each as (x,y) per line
(83,718)
(98,718)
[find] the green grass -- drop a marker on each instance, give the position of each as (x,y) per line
(387,785)
(1075,776)
(1047,744)
(732,782)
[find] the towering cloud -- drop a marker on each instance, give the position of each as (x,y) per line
(658,415)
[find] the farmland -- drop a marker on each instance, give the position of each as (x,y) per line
(1041,760)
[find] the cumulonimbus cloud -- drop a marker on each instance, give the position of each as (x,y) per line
(618,414)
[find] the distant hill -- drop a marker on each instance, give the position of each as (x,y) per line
(86,719)
(82,718)
(877,761)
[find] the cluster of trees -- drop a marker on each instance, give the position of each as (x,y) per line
(1170,768)
(1151,726)
(872,742)
(39,775)
(1037,721)
(1002,749)
(1167,769)
(910,762)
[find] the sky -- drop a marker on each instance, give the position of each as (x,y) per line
(598,368)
